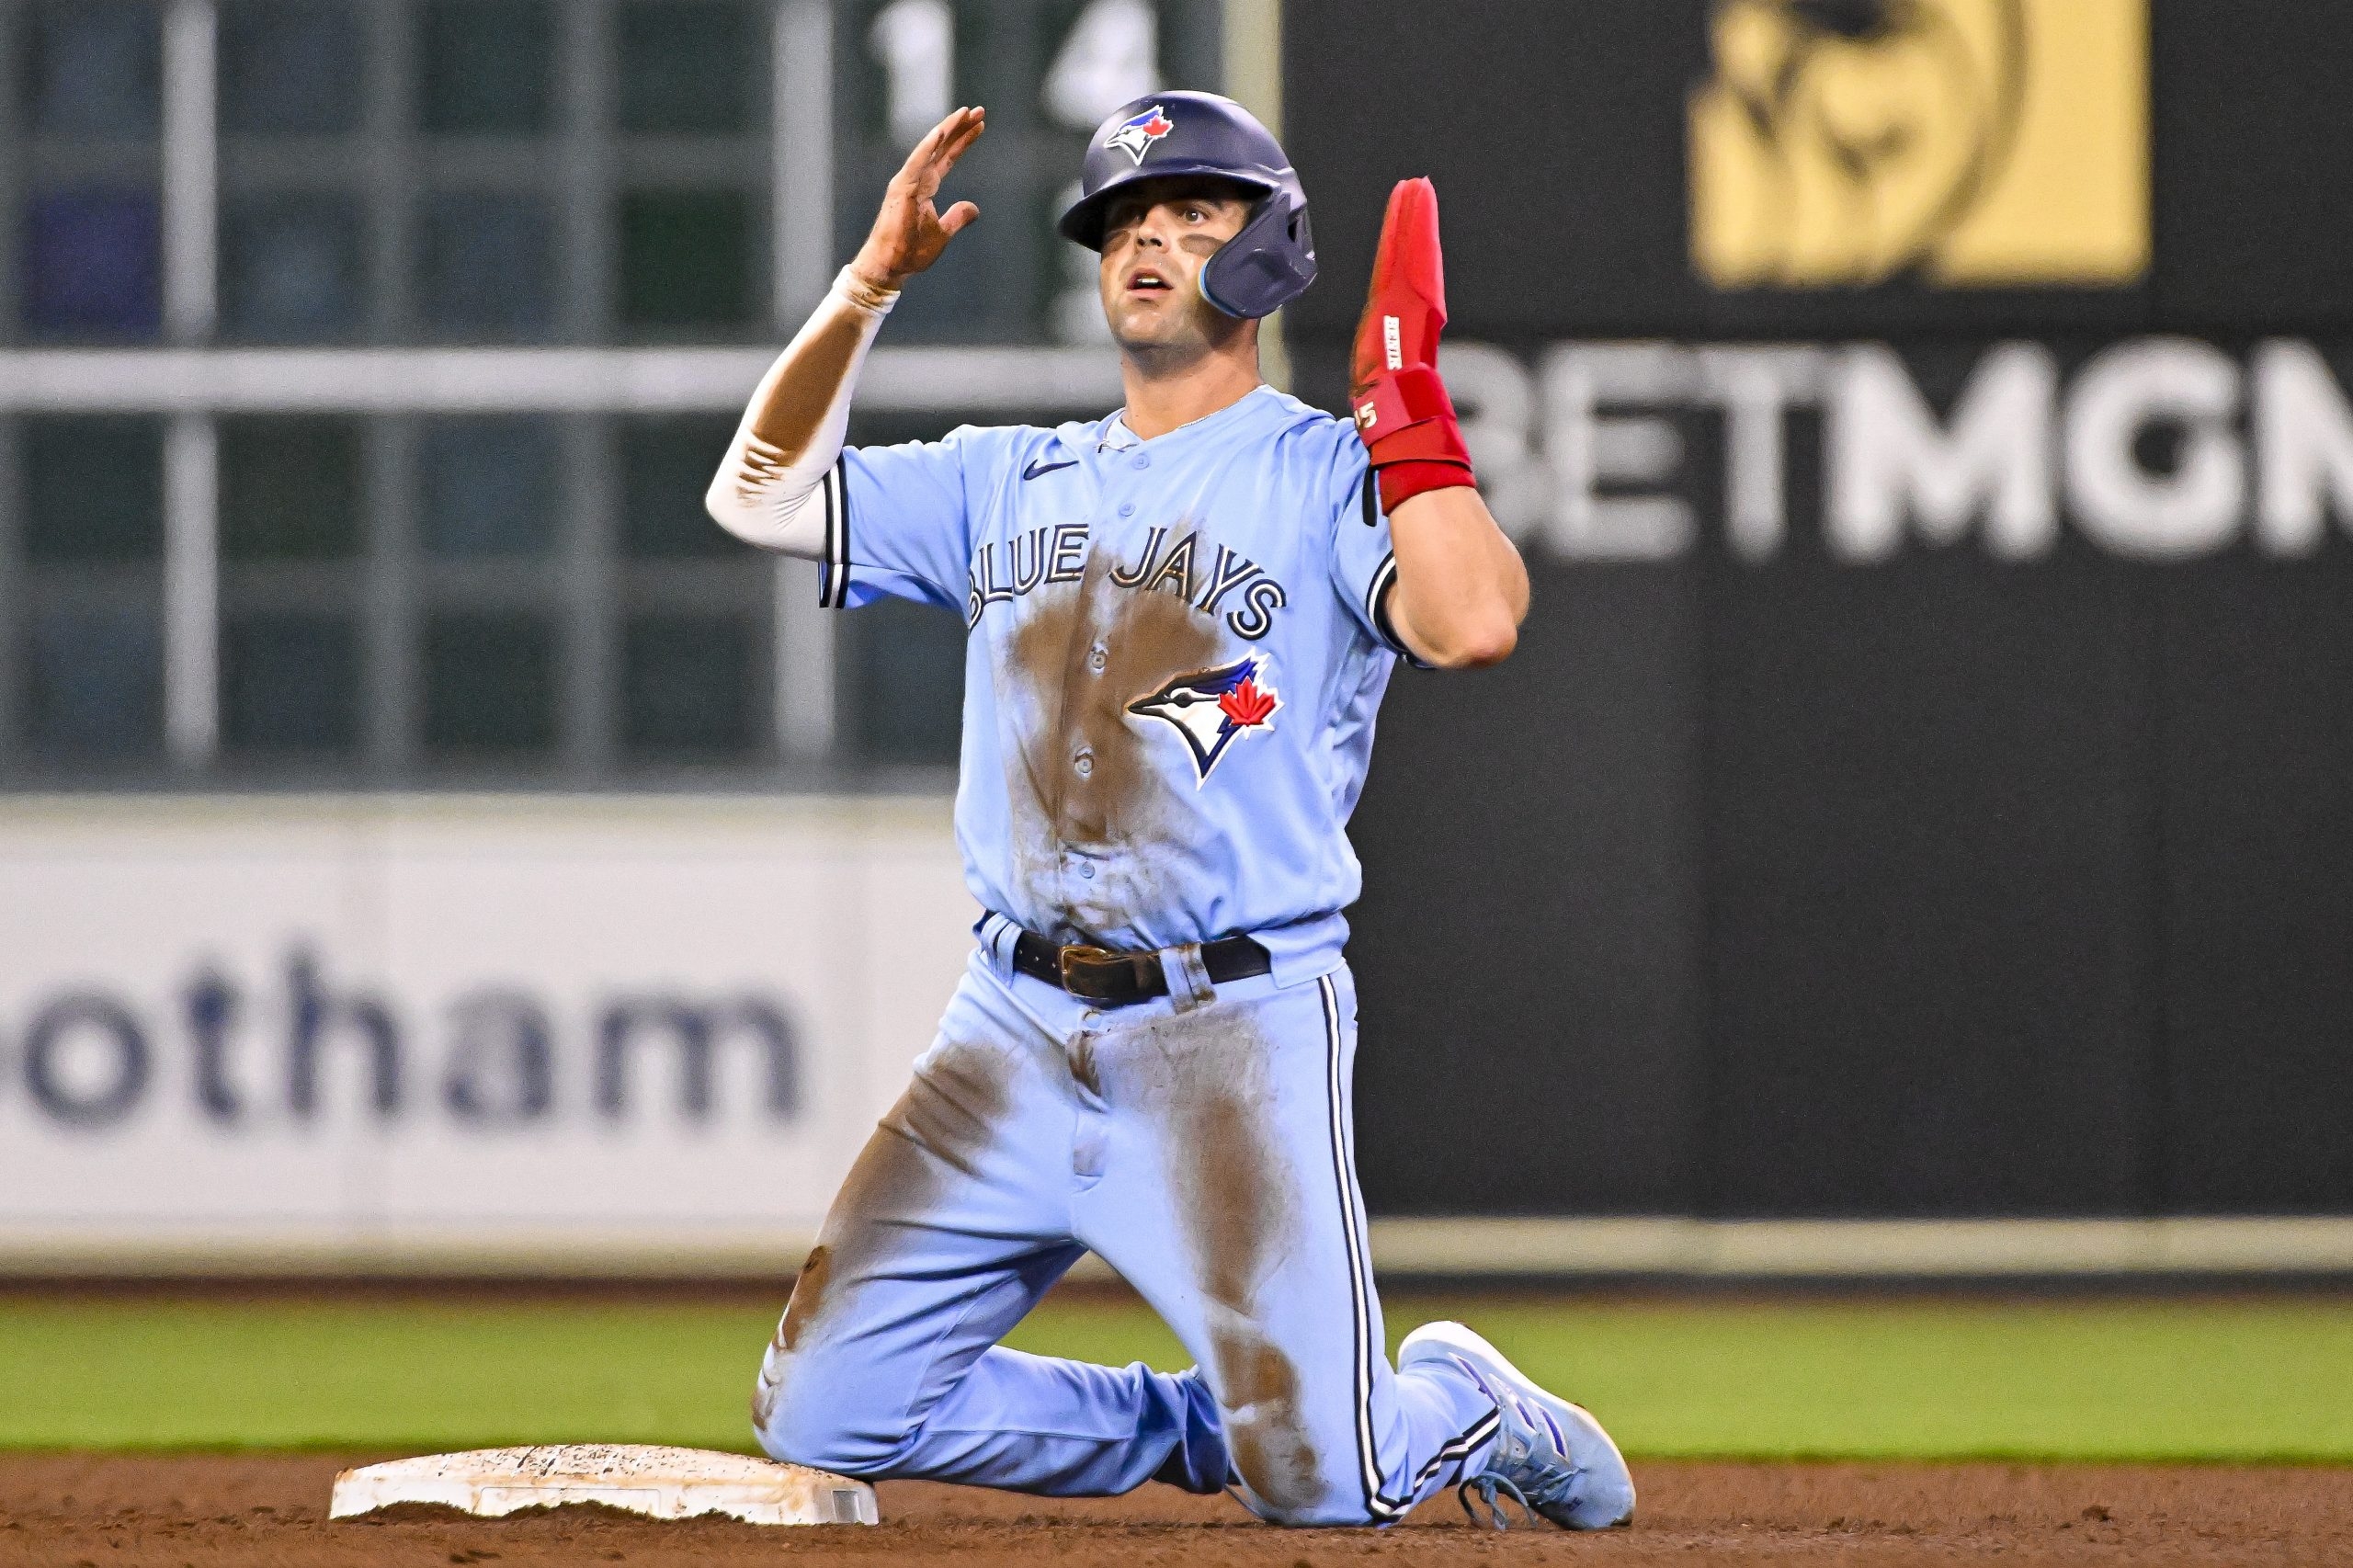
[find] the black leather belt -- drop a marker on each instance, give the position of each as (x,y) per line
(1110,978)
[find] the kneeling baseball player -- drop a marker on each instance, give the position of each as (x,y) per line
(1182,616)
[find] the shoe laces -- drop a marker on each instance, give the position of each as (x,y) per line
(1553,1489)
(1521,1466)
(1485,1487)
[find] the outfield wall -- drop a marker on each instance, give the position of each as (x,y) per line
(600,1037)
(1923,788)
(379,1030)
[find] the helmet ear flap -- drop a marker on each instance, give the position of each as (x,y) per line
(1268,264)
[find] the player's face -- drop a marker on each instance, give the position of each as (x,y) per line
(1157,238)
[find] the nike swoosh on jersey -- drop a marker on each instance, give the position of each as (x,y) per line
(1036,468)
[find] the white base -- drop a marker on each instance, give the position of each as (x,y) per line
(666,1483)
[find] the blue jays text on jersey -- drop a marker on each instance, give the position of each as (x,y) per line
(1058,555)
(1176,650)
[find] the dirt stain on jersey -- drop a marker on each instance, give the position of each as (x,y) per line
(928,1142)
(1084,778)
(950,1112)
(1084,1068)
(807,1299)
(1239,1194)
(1264,1429)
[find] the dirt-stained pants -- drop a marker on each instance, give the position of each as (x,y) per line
(1200,1145)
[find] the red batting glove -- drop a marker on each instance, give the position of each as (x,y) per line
(1401,411)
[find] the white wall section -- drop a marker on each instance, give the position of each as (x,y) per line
(234,1033)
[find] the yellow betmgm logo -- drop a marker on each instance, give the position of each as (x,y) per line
(1962,143)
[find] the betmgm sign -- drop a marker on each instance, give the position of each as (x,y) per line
(1924,147)
(2150,448)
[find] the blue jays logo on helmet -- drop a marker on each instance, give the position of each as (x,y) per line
(1211,709)
(1267,263)
(1135,137)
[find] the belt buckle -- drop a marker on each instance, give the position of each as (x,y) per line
(1076,958)
(1088,971)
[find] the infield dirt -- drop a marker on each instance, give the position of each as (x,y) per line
(258,1511)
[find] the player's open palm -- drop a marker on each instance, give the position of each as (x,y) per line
(910,231)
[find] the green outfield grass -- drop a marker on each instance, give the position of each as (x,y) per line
(2195,1379)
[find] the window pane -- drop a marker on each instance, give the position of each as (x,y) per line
(687,686)
(666,464)
(289,683)
(289,67)
(686,67)
(93,680)
(93,263)
(686,258)
(94,489)
(487,67)
(483,264)
(487,487)
(93,70)
(290,267)
(289,489)
(912,58)
(489,684)
(903,694)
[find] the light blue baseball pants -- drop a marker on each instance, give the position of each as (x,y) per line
(1201,1145)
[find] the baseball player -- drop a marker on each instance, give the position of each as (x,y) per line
(1181,618)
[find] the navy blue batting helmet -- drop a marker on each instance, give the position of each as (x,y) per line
(1272,260)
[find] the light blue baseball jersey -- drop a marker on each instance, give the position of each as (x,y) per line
(1177,648)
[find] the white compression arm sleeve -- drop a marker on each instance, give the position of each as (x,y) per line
(793,427)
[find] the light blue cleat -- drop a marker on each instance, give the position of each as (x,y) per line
(1549,1456)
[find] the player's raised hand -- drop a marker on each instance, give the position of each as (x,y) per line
(1400,406)
(1405,310)
(910,231)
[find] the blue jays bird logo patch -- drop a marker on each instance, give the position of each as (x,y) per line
(1213,709)
(1135,137)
